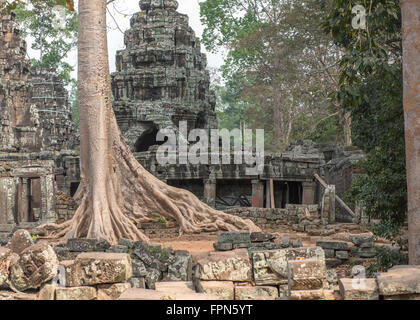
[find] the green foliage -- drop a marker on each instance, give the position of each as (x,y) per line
(370,87)
(160,218)
(54,32)
(385,229)
(385,259)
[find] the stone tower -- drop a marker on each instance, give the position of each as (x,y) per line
(161,76)
(19,119)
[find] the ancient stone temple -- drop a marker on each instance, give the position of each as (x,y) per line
(35,126)
(161,76)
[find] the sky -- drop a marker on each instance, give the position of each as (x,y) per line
(129,7)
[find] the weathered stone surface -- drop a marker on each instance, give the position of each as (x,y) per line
(113,291)
(262,236)
(343,255)
(87,245)
(98,268)
(222,246)
(271,266)
(226,266)
(399,281)
(137,283)
(64,254)
(329,253)
(233,237)
(223,289)
(362,239)
(307,294)
(118,249)
(47,292)
(37,265)
(332,244)
(256,293)
(297,243)
(285,242)
(366,252)
(145,294)
(5,255)
(358,289)
(306,274)
(21,240)
(76,293)
(175,287)
(180,266)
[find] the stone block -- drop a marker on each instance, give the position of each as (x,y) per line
(305,274)
(332,244)
(180,266)
(233,237)
(362,239)
(399,281)
(113,291)
(21,240)
(47,292)
(297,243)
(222,246)
(256,293)
(76,293)
(261,237)
(342,255)
(175,287)
(92,268)
(87,245)
(329,253)
(224,266)
(307,294)
(137,283)
(358,289)
(145,294)
(5,255)
(271,266)
(37,265)
(366,252)
(225,290)
(118,249)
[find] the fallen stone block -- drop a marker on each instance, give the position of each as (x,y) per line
(47,292)
(118,249)
(76,293)
(271,266)
(358,289)
(333,262)
(297,243)
(21,240)
(362,239)
(222,246)
(175,287)
(332,244)
(137,283)
(145,294)
(87,245)
(399,281)
(305,274)
(366,252)
(224,266)
(329,253)
(98,268)
(261,237)
(113,291)
(256,293)
(307,294)
(225,290)
(5,255)
(233,237)
(342,255)
(180,266)
(37,265)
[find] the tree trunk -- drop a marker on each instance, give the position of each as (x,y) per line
(116,192)
(411,66)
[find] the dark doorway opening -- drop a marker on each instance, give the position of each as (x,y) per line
(73,188)
(148,139)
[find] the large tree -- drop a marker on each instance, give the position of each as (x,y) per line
(116,192)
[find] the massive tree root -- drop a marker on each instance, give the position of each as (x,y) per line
(116,192)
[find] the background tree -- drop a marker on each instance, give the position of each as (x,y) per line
(53,30)
(280,65)
(370,87)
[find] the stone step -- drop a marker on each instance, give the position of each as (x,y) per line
(146,294)
(175,287)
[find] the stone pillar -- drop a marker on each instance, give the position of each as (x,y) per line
(257,193)
(210,192)
(308,192)
(410,11)
(47,199)
(267,194)
(328,205)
